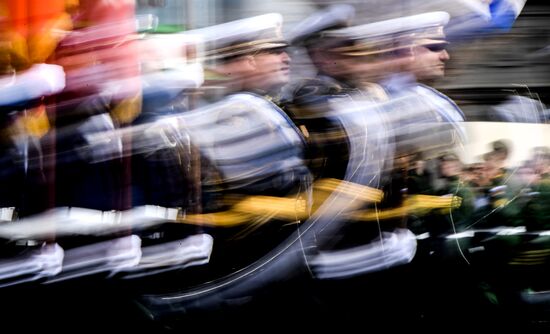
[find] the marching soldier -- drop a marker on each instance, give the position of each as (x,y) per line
(250,149)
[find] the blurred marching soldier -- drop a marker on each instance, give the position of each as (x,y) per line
(419,176)
(251,152)
(538,209)
(508,196)
(436,128)
(103,92)
(343,111)
(450,168)
(308,100)
(168,174)
(23,123)
(29,32)
(428,124)
(495,188)
(429,58)
(428,55)
(424,121)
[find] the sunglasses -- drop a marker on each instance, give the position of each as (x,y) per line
(436,47)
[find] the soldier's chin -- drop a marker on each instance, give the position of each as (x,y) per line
(284,77)
(437,74)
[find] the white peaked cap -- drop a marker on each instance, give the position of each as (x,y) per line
(335,16)
(242,36)
(394,26)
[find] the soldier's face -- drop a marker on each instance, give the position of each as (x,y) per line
(385,64)
(272,68)
(450,168)
(429,61)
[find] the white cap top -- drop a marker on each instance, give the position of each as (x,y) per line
(242,36)
(393,26)
(333,17)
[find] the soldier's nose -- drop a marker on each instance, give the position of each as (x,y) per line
(286,57)
(444,55)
